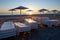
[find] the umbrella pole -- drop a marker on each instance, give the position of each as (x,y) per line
(12,12)
(20,11)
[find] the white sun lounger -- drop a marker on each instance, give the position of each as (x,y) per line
(22,27)
(7,30)
(51,22)
(32,23)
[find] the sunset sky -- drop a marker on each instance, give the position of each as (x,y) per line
(5,5)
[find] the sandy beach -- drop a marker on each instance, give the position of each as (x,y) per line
(41,34)
(48,33)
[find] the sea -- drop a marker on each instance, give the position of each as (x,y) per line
(17,13)
(38,14)
(8,13)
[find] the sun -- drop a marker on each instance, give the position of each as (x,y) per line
(31,8)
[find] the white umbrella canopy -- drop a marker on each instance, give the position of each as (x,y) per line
(21,8)
(12,10)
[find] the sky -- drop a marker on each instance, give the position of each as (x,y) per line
(5,5)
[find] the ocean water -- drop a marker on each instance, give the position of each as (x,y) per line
(15,13)
(12,13)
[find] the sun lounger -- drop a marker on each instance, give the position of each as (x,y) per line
(41,19)
(7,30)
(22,27)
(51,22)
(32,23)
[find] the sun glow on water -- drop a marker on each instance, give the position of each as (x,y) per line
(30,13)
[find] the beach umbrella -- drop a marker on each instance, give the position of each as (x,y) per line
(21,8)
(54,11)
(30,10)
(30,13)
(42,10)
(12,10)
(59,12)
